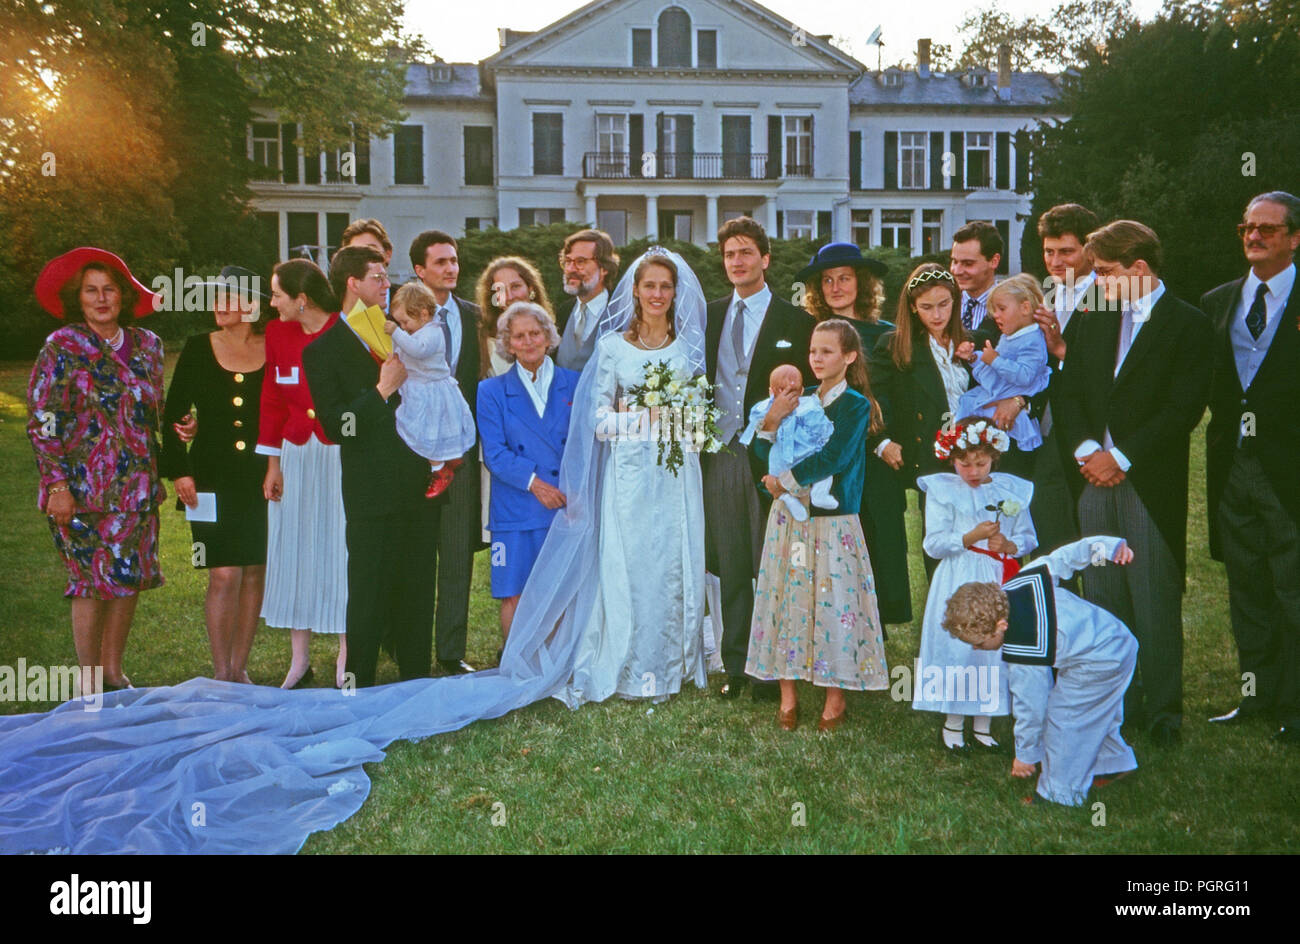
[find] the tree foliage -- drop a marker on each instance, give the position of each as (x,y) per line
(123,122)
(1178,125)
(1064,38)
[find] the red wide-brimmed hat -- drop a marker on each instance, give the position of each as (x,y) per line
(61,268)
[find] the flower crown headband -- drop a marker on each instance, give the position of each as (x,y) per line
(979,433)
(930,275)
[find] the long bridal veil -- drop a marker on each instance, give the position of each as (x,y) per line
(217,767)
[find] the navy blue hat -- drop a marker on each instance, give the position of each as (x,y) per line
(841,254)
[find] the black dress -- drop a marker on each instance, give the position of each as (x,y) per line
(221,457)
(883,506)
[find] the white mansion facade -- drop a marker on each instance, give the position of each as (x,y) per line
(668,117)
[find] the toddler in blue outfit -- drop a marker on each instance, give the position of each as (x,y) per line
(1017,366)
(801,434)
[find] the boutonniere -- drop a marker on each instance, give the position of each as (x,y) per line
(783,343)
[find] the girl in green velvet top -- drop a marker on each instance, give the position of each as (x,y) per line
(815,611)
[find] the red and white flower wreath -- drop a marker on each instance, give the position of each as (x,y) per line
(980,432)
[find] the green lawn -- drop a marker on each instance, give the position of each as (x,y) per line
(698,773)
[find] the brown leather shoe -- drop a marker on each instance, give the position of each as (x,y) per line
(830,724)
(788,720)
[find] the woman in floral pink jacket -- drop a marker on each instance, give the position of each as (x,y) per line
(95,400)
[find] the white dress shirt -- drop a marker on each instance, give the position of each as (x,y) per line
(954,377)
(1067,301)
(755,309)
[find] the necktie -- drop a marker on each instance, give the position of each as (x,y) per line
(580,322)
(968,316)
(446,333)
(1125,337)
(738,331)
(1255,318)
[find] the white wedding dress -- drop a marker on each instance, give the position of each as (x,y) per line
(645,638)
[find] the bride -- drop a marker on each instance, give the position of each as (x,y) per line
(644,635)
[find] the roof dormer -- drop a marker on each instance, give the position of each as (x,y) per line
(977,77)
(892,77)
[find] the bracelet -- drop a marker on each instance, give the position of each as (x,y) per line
(54,489)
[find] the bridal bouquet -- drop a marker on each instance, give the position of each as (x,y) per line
(684,408)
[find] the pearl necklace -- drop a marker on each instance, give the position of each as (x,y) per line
(116,341)
(658,347)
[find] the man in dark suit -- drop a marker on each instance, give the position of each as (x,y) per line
(1135,384)
(1063,229)
(1252,465)
(390,524)
(749,332)
(459,516)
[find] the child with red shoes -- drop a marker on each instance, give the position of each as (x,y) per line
(433,417)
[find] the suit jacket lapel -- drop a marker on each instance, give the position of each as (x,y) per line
(927,374)
(1147,339)
(713,337)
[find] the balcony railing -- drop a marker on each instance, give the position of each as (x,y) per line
(684,165)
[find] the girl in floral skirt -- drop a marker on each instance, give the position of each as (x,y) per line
(815,616)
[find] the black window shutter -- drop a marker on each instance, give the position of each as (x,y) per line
(824,224)
(812,140)
(362,163)
(659,144)
(548,143)
(525,216)
(310,166)
(855,160)
(1022,161)
(685,146)
(335,224)
(1004,229)
(1003,147)
(706,53)
(891,160)
(936,160)
(959,159)
(408,155)
(773,146)
(635,142)
(289,153)
(780,224)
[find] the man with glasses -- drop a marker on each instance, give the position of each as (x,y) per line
(389,521)
(1252,461)
(1135,384)
(590,266)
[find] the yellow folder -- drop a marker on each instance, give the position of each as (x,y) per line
(368,323)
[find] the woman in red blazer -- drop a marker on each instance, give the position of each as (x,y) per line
(306,557)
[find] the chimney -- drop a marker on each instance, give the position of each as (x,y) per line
(1004,72)
(923,58)
(503,36)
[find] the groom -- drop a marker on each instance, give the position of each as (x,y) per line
(749,332)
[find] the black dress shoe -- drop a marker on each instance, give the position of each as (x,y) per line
(765,691)
(734,685)
(455,666)
(1166,735)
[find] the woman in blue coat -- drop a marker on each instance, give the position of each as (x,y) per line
(523,421)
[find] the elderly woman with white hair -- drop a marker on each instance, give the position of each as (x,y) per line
(523,421)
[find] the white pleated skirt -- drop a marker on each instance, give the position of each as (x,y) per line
(306,552)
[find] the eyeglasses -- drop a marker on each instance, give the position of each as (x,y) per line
(380,277)
(1267,230)
(576,262)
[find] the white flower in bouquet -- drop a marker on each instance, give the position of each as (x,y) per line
(652,381)
(652,398)
(674,387)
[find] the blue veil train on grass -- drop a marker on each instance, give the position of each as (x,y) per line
(218,767)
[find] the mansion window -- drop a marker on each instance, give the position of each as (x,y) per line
(548,143)
(674,38)
(896,229)
(797,134)
(979,160)
(642,56)
(931,231)
(473,223)
(534,216)
(478,155)
(860,222)
(706,49)
(264,150)
(799,224)
(912,159)
(613,222)
(408,154)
